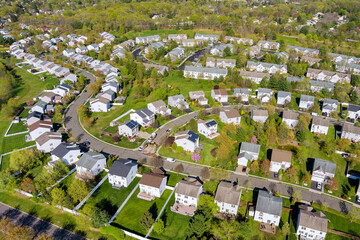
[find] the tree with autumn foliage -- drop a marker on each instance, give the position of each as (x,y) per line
(332,184)
(265,167)
(254,167)
(291,174)
(28,185)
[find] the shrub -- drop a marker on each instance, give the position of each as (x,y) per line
(113,231)
(179,149)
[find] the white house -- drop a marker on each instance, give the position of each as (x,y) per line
(230,116)
(81,50)
(69,77)
(323,75)
(318,86)
(178,101)
(110,86)
(68,52)
(311,225)
(39,107)
(322,171)
(90,164)
(143,117)
(160,69)
(33,117)
(283,98)
(39,127)
(191,42)
(219,95)
(204,72)
(177,37)
(99,104)
(208,128)
(155,46)
(304,51)
(62,90)
(245,41)
(159,107)
(267,45)
(306,102)
(280,159)
(61,71)
(198,96)
(152,184)
(227,197)
(220,62)
(329,106)
(351,132)
(266,67)
(244,93)
(291,118)
(218,50)
(69,153)
(256,77)
(264,94)
(147,39)
(248,151)
(108,94)
(48,141)
(93,47)
(188,140)
(319,125)
(353,111)
(187,194)
(129,129)
(207,37)
(122,173)
(259,115)
(176,53)
(268,208)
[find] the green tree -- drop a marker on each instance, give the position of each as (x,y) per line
(193,125)
(146,220)
(227,52)
(78,190)
(93,88)
(283,132)
(23,160)
(159,226)
(208,200)
(296,197)
(58,196)
(285,229)
(227,230)
(200,223)
(100,217)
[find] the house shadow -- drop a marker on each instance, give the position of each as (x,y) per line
(309,164)
(268,153)
(153,210)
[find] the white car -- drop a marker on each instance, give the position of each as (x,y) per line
(141,148)
(318,186)
(170,159)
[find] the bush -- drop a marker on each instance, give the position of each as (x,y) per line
(179,149)
(113,231)
(174,146)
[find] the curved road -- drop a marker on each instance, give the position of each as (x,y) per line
(73,125)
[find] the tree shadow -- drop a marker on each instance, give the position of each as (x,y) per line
(106,205)
(153,210)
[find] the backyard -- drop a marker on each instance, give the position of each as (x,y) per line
(17,127)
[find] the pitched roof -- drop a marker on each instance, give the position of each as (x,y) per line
(89,159)
(35,115)
(228,193)
(220,91)
(306,98)
(350,128)
(259,112)
(64,148)
(144,113)
(265,90)
(231,113)
(158,104)
(121,167)
(353,108)
(282,94)
(313,220)
(324,166)
(242,91)
(268,203)
(46,136)
(245,155)
(190,135)
(206,70)
(208,123)
(131,124)
(250,147)
(40,124)
(153,179)
(266,65)
(252,74)
(294,79)
(322,84)
(41,104)
(321,121)
(189,187)
(280,156)
(328,73)
(287,114)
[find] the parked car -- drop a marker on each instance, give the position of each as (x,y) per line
(318,186)
(170,159)
(141,148)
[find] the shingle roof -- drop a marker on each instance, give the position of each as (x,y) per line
(320,121)
(231,113)
(349,128)
(42,124)
(265,90)
(322,84)
(252,74)
(46,136)
(64,148)
(144,113)
(206,69)
(250,147)
(152,179)
(158,104)
(324,166)
(89,159)
(280,156)
(41,104)
(294,79)
(282,94)
(290,115)
(259,112)
(228,193)
(307,98)
(34,115)
(121,167)
(267,203)
(266,65)
(242,91)
(313,220)
(328,73)
(353,108)
(189,187)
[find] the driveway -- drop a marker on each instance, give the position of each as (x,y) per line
(38,226)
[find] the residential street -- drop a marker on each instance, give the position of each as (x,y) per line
(39,226)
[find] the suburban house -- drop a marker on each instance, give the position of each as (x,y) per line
(176,53)
(319,125)
(268,208)
(267,45)
(108,94)
(38,128)
(322,171)
(294,79)
(152,184)
(90,164)
(129,129)
(283,98)
(245,41)
(349,68)
(122,173)
(207,37)
(62,90)
(230,116)
(310,60)
(248,151)
(198,96)
(266,67)
(351,132)
(306,102)
(93,47)
(127,44)
(118,52)
(188,140)
(227,197)
(39,107)
(68,52)
(159,107)
(219,95)
(204,72)
(218,50)
(329,106)
(155,46)
(243,93)
(69,77)
(264,94)
(318,86)
(48,141)
(323,75)
(160,69)
(143,117)
(311,225)
(187,195)
(304,51)
(33,117)
(191,42)
(177,37)
(353,111)
(220,63)
(69,153)
(341,59)
(178,101)
(280,159)
(147,39)
(291,118)
(112,86)
(257,77)
(259,115)
(99,104)
(208,128)
(81,50)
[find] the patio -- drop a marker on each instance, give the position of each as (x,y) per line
(268,228)
(145,196)
(183,210)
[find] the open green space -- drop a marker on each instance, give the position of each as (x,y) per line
(8,144)
(135,208)
(5,162)
(124,142)
(174,178)
(25,113)
(17,127)
(109,198)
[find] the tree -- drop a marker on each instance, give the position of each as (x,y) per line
(193,125)
(265,167)
(227,52)
(83,111)
(100,217)
(58,196)
(179,168)
(324,206)
(27,185)
(291,173)
(283,132)
(343,144)
(271,135)
(227,230)
(208,201)
(23,160)
(146,220)
(254,167)
(179,149)
(285,229)
(78,190)
(159,226)
(296,197)
(200,223)
(354,214)
(93,88)
(332,184)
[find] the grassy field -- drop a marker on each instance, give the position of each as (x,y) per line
(135,208)
(124,142)
(109,198)
(8,144)
(174,178)
(5,162)
(25,113)
(17,127)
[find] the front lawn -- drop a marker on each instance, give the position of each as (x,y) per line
(130,215)
(124,142)
(17,127)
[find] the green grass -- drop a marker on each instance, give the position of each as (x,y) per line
(174,178)
(176,224)
(25,113)
(333,236)
(110,198)
(111,129)
(5,162)
(14,142)
(17,127)
(289,40)
(130,215)
(124,142)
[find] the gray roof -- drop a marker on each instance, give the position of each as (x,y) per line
(144,113)
(121,167)
(251,74)
(228,193)
(157,45)
(324,166)
(290,115)
(353,108)
(250,147)
(222,47)
(307,98)
(320,121)
(349,128)
(64,148)
(35,115)
(89,159)
(189,187)
(206,69)
(330,101)
(265,90)
(322,84)
(267,65)
(177,97)
(294,79)
(282,94)
(302,49)
(242,91)
(245,155)
(268,203)
(313,220)
(41,104)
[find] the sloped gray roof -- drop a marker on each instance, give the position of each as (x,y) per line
(313,220)
(41,104)
(245,155)
(121,167)
(189,187)
(307,98)
(267,65)
(250,147)
(265,90)
(282,94)
(294,79)
(242,91)
(353,108)
(320,121)
(228,193)
(268,203)
(89,159)
(144,113)
(324,166)
(322,84)
(287,114)
(206,69)
(349,128)
(64,148)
